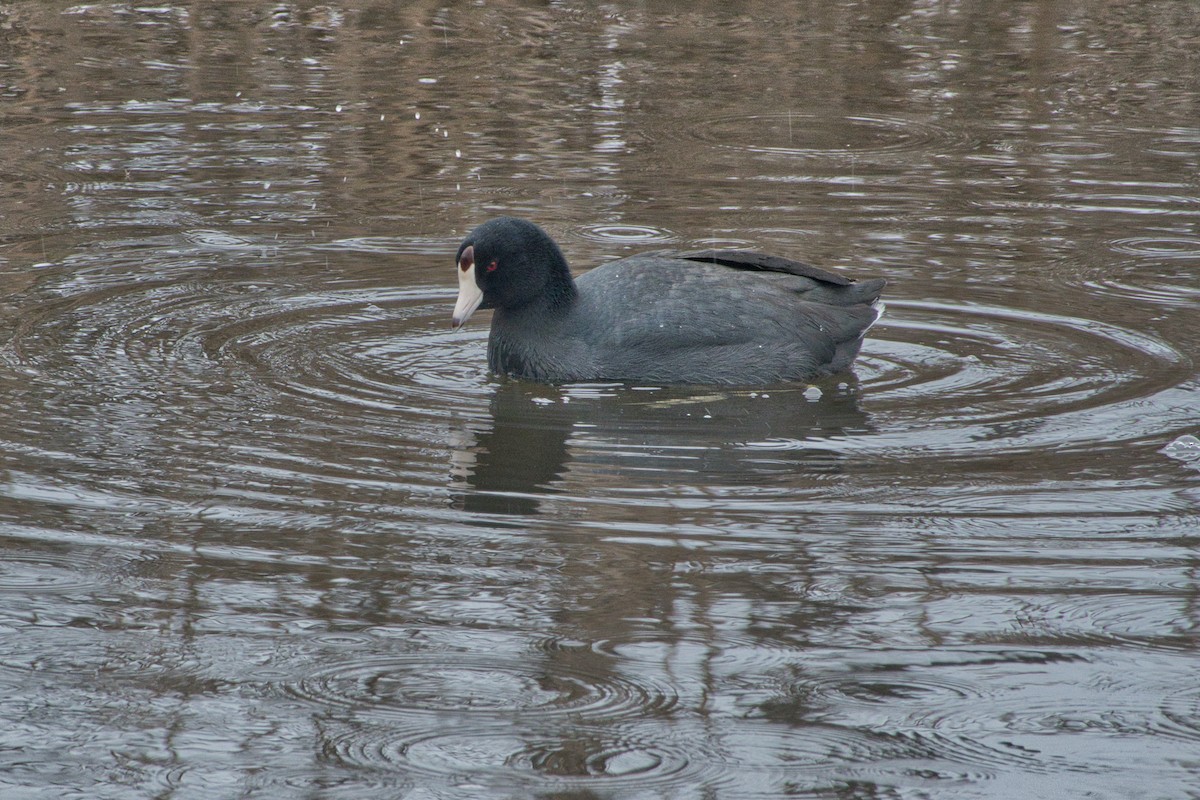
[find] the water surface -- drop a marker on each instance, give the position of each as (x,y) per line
(268,528)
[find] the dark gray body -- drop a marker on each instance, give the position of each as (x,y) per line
(685,318)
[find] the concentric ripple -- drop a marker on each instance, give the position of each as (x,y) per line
(626,234)
(483,685)
(987,378)
(371,348)
(882,692)
(388,350)
(269,527)
(512,755)
(878,715)
(1158,247)
(1165,294)
(994,378)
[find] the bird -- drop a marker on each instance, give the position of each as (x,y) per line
(704,317)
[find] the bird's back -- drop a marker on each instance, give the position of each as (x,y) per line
(675,318)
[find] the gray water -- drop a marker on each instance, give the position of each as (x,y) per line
(269,529)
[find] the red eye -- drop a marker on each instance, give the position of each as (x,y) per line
(492,266)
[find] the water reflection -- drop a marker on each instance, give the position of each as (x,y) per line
(267,527)
(536,438)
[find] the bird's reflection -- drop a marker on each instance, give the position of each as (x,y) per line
(534,435)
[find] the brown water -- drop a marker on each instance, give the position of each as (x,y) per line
(269,529)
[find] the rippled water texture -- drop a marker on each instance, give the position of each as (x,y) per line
(269,529)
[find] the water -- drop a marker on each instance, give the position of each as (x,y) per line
(269,529)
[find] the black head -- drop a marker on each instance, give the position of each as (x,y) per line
(509,263)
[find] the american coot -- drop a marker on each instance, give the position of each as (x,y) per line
(705,317)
